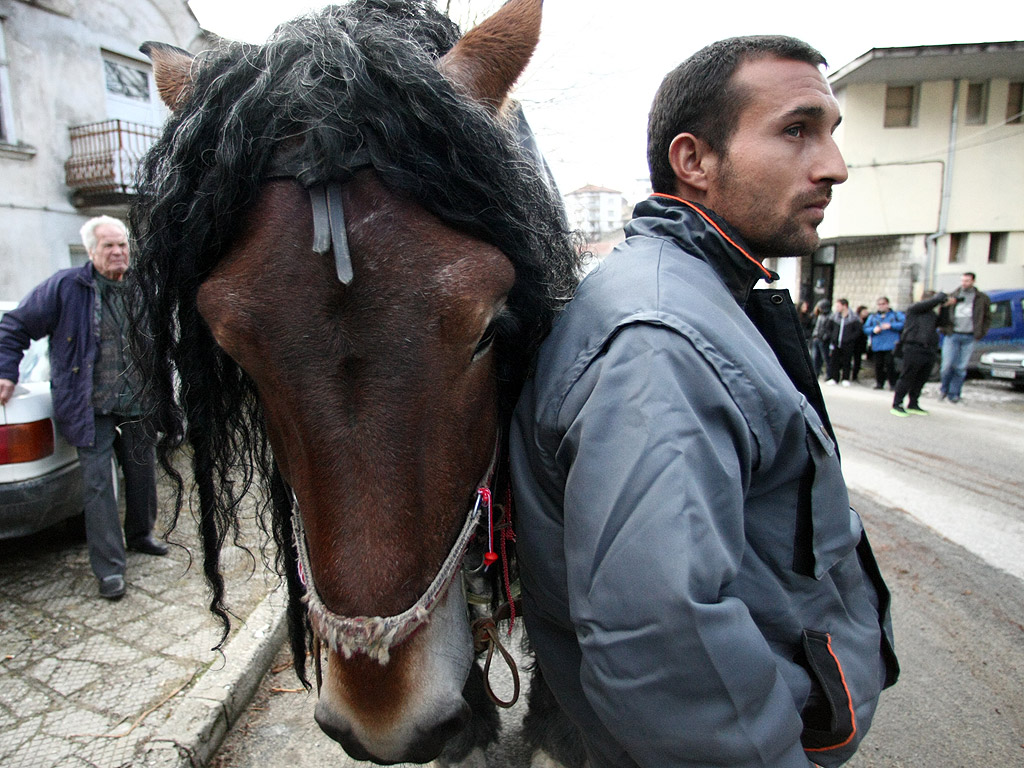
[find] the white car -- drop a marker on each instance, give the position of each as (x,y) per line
(1008,364)
(40,478)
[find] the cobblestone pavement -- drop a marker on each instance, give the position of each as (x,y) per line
(85,682)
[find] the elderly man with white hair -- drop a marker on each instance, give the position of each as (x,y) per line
(96,403)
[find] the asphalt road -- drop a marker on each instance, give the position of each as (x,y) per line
(958,612)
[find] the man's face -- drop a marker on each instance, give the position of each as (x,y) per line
(775,177)
(110,256)
(966,281)
(883,306)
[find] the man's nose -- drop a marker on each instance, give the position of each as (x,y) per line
(831,165)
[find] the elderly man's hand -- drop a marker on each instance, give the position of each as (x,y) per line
(6,390)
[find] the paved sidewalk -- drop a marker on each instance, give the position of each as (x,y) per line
(88,683)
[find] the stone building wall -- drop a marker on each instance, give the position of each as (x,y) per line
(872,267)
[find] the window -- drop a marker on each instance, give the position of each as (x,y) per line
(957,241)
(1000,315)
(77,254)
(1015,102)
(900,106)
(7,135)
(126,81)
(997,245)
(977,104)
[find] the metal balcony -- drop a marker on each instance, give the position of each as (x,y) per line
(104,156)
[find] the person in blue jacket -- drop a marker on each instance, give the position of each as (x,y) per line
(96,404)
(696,587)
(883,328)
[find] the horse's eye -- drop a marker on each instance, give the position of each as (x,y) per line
(485,341)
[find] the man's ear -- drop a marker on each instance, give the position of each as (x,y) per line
(692,161)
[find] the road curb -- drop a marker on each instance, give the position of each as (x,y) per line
(193,733)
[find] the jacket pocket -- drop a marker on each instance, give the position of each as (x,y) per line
(828,717)
(835,530)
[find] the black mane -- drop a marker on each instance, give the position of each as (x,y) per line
(355,77)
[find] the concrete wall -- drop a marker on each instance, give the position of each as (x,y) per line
(56,81)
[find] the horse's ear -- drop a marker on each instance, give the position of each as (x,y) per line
(172,70)
(486,62)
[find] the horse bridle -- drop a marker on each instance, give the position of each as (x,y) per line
(375,636)
(329,233)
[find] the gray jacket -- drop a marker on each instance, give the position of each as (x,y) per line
(697,588)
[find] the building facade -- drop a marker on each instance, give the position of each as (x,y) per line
(78,108)
(596,211)
(934,140)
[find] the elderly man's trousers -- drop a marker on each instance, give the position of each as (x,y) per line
(128,440)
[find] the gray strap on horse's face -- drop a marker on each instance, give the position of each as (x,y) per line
(329,227)
(291,162)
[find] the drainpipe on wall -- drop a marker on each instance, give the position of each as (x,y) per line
(932,241)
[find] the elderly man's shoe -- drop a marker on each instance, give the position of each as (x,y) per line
(112,587)
(148,546)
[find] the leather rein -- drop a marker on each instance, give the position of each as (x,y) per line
(375,636)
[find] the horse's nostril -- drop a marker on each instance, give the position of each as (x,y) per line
(342,735)
(453,725)
(433,740)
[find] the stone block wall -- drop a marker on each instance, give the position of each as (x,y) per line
(872,267)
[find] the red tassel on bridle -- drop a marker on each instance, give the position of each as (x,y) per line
(490,557)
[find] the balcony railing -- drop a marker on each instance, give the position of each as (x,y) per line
(104,156)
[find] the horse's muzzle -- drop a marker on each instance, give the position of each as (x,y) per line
(424,747)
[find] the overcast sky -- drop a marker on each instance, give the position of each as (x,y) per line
(590,84)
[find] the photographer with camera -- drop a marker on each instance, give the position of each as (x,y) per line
(963,320)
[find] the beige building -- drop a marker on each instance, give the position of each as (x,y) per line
(78,108)
(596,211)
(934,140)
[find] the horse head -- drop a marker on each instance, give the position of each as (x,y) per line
(343,302)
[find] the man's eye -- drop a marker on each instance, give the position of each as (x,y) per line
(794,130)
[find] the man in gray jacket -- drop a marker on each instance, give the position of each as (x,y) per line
(697,588)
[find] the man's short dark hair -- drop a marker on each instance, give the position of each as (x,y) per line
(971,274)
(844,302)
(697,97)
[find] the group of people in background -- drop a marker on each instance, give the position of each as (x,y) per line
(902,346)
(839,339)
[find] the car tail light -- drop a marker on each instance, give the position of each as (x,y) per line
(26,442)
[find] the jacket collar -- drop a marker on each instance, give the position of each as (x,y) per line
(85,274)
(704,235)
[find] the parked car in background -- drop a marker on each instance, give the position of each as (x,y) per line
(1008,365)
(1006,333)
(40,478)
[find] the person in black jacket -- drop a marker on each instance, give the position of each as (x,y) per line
(819,339)
(844,330)
(920,344)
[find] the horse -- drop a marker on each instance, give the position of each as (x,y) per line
(347,251)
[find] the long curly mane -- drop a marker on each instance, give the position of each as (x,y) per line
(356,77)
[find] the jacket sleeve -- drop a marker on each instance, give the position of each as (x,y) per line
(32,319)
(870,323)
(986,315)
(659,458)
(926,305)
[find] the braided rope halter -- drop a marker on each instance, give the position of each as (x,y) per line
(375,636)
